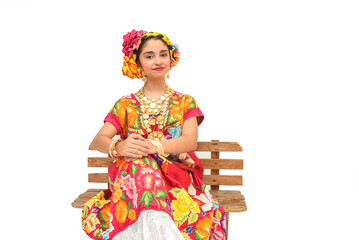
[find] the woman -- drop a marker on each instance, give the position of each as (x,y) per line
(156,189)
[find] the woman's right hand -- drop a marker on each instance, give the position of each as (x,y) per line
(133,147)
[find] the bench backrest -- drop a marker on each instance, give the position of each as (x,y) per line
(214,163)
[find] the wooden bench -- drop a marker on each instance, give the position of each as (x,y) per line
(230,200)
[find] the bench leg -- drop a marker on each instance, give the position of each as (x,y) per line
(227,219)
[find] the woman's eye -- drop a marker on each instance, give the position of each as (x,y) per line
(164,55)
(148,57)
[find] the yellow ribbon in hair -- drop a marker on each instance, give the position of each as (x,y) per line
(130,68)
(154,34)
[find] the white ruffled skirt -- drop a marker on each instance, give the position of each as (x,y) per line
(151,225)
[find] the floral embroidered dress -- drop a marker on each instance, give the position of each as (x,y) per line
(156,183)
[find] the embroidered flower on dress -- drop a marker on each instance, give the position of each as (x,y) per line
(183,205)
(203,228)
(90,224)
(216,231)
(117,194)
(129,187)
(206,198)
(223,222)
(147,181)
(175,132)
(121,211)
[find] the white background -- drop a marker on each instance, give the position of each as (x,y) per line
(279,77)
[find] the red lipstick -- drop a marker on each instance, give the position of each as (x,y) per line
(158,69)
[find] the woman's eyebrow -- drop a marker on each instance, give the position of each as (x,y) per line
(152,52)
(149,52)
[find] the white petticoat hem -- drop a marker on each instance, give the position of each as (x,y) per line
(151,225)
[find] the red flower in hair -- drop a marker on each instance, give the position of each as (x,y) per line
(130,41)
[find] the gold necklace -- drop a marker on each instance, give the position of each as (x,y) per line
(154,113)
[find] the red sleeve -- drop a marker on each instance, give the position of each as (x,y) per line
(192,110)
(112,117)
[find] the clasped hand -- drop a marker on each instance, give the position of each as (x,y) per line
(134,147)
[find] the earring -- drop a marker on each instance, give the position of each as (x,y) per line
(144,78)
(168,74)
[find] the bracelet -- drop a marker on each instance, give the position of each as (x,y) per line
(112,151)
(159,148)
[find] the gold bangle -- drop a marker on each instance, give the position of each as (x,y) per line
(113,153)
(110,150)
(114,147)
(162,150)
(158,147)
(154,143)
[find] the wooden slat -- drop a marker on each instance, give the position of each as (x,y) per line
(218,147)
(99,161)
(84,197)
(88,194)
(78,204)
(234,207)
(222,163)
(98,177)
(227,195)
(222,180)
(95,190)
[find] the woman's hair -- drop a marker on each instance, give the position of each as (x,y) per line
(144,39)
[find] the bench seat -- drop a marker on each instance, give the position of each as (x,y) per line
(230,200)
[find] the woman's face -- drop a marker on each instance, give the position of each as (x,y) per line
(155,59)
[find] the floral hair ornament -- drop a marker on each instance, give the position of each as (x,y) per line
(131,43)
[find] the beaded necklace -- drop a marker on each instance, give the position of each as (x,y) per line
(154,113)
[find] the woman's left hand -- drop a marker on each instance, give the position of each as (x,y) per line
(152,150)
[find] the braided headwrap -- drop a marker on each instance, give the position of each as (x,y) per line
(131,44)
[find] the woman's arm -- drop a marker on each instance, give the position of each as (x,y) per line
(135,146)
(185,143)
(103,138)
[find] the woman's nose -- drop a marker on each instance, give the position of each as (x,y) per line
(157,60)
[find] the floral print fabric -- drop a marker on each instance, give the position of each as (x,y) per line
(165,184)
